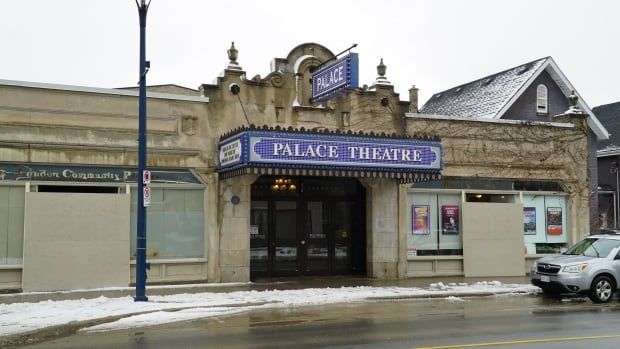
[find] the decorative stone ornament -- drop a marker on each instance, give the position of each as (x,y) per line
(573,107)
(574,114)
(232,54)
(381,79)
(381,69)
(189,125)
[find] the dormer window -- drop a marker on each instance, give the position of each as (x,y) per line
(542,100)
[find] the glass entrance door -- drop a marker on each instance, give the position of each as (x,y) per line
(259,233)
(316,238)
(285,240)
(341,223)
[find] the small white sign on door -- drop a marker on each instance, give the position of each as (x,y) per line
(253,229)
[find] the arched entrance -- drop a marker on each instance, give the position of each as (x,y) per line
(314,226)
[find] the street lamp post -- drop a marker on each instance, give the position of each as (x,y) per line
(141,228)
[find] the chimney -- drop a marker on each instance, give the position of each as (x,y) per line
(413,99)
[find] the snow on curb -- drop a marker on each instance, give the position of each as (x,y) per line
(19,318)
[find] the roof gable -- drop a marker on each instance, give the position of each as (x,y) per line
(492,96)
(485,97)
(609,116)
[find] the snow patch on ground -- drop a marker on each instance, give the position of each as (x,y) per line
(150,287)
(18,318)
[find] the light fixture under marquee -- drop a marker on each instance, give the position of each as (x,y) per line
(283,184)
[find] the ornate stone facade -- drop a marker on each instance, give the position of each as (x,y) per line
(52,124)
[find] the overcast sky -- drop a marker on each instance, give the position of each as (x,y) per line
(433,44)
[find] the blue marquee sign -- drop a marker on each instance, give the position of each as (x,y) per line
(300,150)
(335,79)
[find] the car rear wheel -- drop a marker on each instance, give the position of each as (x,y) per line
(602,289)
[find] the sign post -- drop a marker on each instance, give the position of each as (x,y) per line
(141,226)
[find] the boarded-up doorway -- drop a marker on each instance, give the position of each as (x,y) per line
(75,241)
(493,239)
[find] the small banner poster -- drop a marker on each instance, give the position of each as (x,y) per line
(450,219)
(554,220)
(421,224)
(529,220)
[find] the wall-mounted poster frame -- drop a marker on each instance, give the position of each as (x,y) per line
(554,220)
(450,219)
(529,220)
(421,223)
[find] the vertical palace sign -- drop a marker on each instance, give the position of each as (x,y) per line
(335,79)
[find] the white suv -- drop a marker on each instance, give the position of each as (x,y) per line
(591,267)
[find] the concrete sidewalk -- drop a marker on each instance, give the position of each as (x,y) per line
(29,317)
(258,285)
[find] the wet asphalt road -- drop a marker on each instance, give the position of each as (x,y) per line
(483,322)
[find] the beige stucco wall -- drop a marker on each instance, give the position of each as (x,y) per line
(382,236)
(63,126)
(75,241)
(50,124)
(233,236)
(522,151)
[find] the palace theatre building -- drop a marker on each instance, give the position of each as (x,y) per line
(266,177)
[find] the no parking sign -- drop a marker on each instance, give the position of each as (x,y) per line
(146,196)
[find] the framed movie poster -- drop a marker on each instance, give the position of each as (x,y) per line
(450,219)
(421,224)
(554,220)
(529,220)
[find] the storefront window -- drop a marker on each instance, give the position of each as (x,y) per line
(174,224)
(606,210)
(434,224)
(11,225)
(545,227)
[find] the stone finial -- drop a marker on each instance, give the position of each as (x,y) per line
(381,68)
(574,114)
(573,100)
(232,54)
(381,79)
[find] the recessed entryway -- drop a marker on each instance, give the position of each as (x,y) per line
(307,226)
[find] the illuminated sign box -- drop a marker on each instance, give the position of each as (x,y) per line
(335,79)
(305,150)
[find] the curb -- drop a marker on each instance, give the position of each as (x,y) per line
(451,294)
(68,329)
(64,330)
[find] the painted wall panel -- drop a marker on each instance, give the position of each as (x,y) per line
(493,239)
(85,236)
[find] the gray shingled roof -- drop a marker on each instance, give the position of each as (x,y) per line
(482,98)
(609,116)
